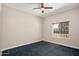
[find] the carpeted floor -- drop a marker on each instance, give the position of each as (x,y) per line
(41,49)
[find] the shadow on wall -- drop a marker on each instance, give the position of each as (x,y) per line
(0,53)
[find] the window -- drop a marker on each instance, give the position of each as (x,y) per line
(61,29)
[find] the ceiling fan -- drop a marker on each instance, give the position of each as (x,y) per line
(42,7)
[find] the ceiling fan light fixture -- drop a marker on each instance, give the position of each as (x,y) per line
(42,9)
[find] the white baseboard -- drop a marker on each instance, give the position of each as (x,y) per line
(19,45)
(38,41)
(63,44)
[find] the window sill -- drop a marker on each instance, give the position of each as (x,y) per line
(61,38)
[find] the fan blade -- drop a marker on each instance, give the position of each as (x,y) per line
(36,8)
(48,7)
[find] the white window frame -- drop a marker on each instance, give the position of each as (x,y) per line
(63,36)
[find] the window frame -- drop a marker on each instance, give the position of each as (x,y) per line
(60,35)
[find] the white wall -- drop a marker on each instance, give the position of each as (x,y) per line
(0,23)
(0,27)
(19,28)
(69,15)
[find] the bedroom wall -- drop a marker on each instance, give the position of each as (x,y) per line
(0,24)
(0,28)
(69,15)
(19,28)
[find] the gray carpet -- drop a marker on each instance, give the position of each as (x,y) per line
(41,48)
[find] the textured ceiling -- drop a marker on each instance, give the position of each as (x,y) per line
(28,7)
